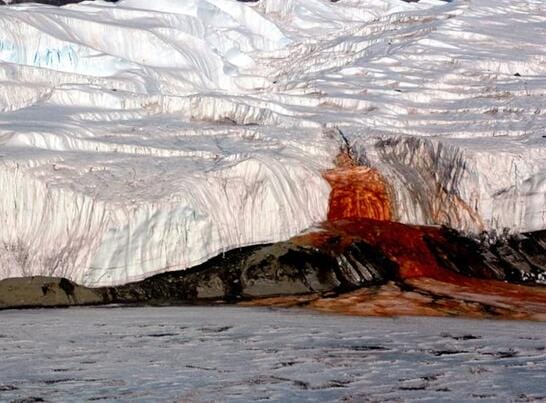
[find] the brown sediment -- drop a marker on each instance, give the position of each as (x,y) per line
(424,287)
(359,262)
(361,210)
(406,245)
(492,293)
(403,244)
(428,297)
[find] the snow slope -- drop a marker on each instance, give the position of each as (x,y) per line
(147,136)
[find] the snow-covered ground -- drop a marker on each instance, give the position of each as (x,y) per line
(238,354)
(146,136)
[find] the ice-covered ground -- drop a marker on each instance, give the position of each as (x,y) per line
(239,354)
(147,136)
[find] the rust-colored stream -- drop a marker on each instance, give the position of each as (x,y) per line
(361,209)
(357,192)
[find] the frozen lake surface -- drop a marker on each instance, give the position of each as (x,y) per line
(247,354)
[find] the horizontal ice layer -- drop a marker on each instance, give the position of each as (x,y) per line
(141,137)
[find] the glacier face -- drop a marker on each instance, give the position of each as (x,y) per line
(147,136)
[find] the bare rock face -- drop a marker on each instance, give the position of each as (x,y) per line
(425,263)
(284,268)
(517,259)
(46,292)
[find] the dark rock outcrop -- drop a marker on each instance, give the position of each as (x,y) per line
(47,292)
(328,262)
(519,259)
(283,268)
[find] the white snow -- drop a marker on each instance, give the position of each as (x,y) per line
(230,354)
(147,136)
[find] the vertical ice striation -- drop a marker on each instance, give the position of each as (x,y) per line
(139,137)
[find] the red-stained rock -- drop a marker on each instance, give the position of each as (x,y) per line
(430,261)
(359,262)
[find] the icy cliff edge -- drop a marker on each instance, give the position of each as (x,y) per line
(140,137)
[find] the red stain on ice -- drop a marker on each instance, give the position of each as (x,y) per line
(361,208)
(357,192)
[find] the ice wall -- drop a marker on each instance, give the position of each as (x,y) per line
(119,214)
(146,136)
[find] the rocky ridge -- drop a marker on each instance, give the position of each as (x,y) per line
(330,263)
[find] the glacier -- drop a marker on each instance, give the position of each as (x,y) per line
(141,137)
